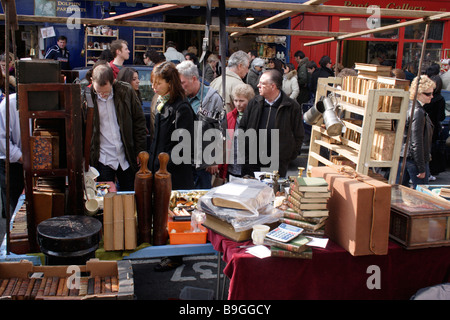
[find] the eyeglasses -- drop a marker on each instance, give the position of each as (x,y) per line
(428,94)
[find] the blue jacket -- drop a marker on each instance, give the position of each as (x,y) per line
(62,55)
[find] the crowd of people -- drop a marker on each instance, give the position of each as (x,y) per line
(261,96)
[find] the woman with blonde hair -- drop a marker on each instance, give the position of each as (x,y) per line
(418,153)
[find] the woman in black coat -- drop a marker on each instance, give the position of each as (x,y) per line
(173,114)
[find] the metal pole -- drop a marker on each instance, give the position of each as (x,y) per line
(419,71)
(7,204)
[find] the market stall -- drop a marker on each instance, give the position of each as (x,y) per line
(340,218)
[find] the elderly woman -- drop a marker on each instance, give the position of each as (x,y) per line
(241,94)
(419,146)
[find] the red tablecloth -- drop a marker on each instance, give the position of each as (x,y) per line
(332,273)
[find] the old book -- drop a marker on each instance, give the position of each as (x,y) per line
(308,194)
(308,213)
(315,213)
(3,285)
(313,206)
(304,224)
(292,214)
(97,285)
(299,244)
(91,286)
(44,152)
(108,221)
(114,284)
(308,184)
(42,287)
(108,288)
(16,289)
(61,285)
(383,145)
(235,195)
(29,288)
(129,211)
(225,229)
(278,252)
(83,286)
(372,67)
(54,286)
(23,289)
(36,287)
(10,287)
(314,233)
(118,223)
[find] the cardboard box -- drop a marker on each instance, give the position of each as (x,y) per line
(112,280)
(359,210)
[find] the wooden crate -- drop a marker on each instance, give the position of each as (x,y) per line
(98,280)
(419,220)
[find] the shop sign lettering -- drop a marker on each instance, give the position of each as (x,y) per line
(390,5)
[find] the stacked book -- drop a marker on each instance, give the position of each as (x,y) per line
(308,201)
(296,248)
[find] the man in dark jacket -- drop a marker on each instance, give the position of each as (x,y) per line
(324,71)
(302,77)
(60,53)
(119,129)
(273,110)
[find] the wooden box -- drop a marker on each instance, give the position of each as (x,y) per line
(98,280)
(419,220)
(359,209)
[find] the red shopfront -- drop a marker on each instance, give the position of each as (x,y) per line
(399,47)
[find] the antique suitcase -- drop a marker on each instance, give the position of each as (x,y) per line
(359,209)
(419,220)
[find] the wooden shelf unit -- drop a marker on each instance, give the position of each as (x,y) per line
(91,54)
(359,152)
(70,167)
(144,40)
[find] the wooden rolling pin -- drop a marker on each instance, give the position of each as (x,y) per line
(143,183)
(162,190)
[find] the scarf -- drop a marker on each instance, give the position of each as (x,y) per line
(161,101)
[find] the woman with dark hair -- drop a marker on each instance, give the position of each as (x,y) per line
(173,112)
(324,71)
(131,76)
(436,111)
(192,57)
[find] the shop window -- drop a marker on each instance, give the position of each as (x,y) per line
(383,53)
(411,55)
(350,25)
(417,31)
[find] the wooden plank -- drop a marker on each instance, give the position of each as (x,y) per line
(435,17)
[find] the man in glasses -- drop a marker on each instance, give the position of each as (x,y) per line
(272,112)
(119,130)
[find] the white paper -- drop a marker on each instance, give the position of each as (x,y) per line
(317,242)
(259,251)
(231,189)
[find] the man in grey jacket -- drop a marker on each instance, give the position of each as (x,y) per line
(237,69)
(208,106)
